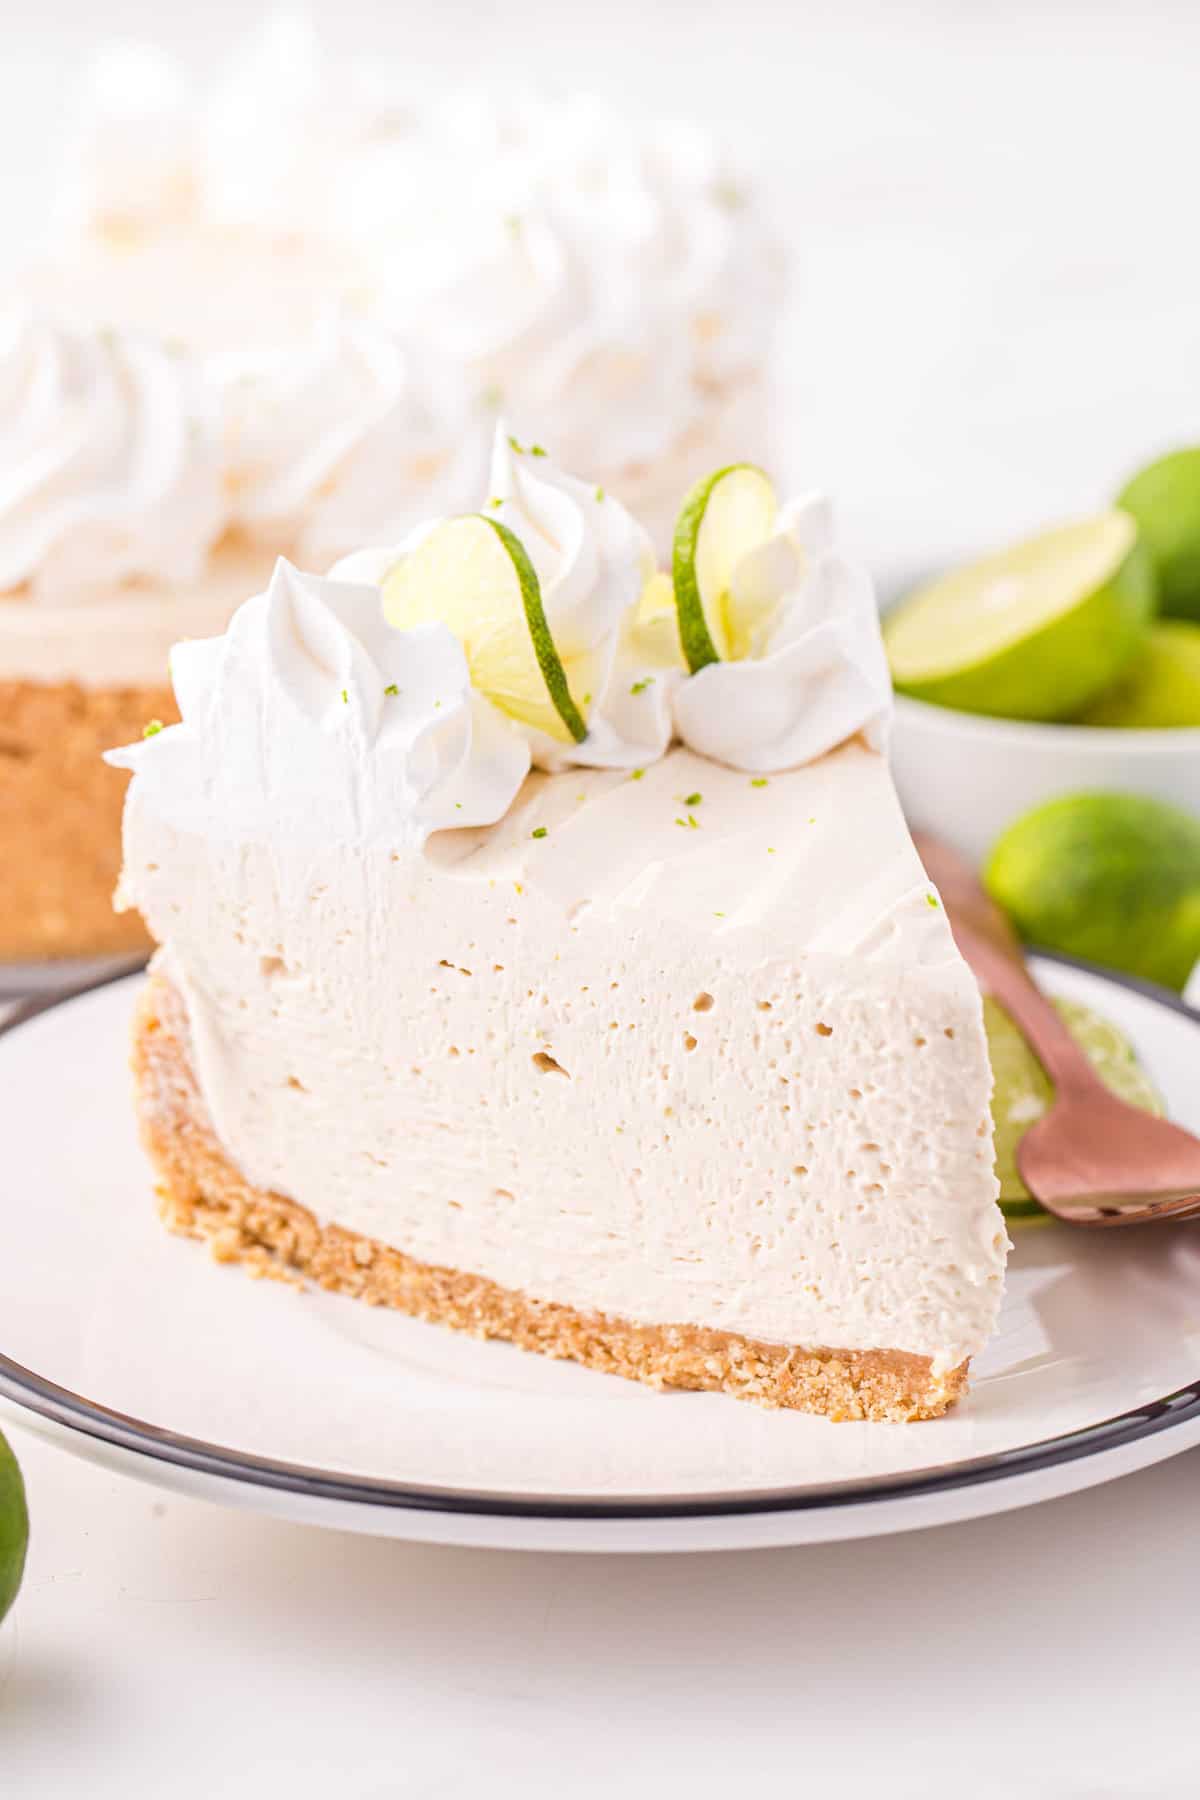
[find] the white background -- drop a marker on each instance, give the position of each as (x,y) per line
(996,315)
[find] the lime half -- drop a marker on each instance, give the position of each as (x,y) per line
(474,575)
(724,516)
(14,1527)
(1023,1090)
(1164,498)
(1030,633)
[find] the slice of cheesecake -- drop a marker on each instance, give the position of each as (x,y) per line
(671,1069)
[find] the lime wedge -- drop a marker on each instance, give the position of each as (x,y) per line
(1164,498)
(14,1527)
(1160,689)
(474,575)
(1023,1090)
(1113,878)
(1034,632)
(724,516)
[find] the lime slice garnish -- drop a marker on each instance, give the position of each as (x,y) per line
(14,1527)
(1164,498)
(723,518)
(1023,1091)
(474,575)
(1034,632)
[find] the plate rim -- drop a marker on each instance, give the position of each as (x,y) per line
(31,1392)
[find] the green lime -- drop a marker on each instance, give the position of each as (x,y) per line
(1114,878)
(474,575)
(1160,688)
(725,515)
(1034,632)
(1022,1090)
(14,1527)
(1164,498)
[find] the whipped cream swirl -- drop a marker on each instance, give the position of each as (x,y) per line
(352,438)
(131,163)
(609,285)
(109,463)
(601,281)
(815,673)
(311,721)
(593,561)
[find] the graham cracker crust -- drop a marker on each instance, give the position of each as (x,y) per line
(60,816)
(202,1195)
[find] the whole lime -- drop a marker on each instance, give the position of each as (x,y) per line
(1160,689)
(1164,498)
(14,1527)
(1114,878)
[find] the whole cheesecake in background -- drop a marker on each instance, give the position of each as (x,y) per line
(351,284)
(543,953)
(610,285)
(114,544)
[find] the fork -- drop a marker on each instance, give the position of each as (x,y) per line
(1090,1159)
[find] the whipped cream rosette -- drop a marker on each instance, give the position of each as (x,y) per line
(780,630)
(544,588)
(313,719)
(131,164)
(354,435)
(109,461)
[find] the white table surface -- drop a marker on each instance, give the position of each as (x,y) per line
(997,316)
(167,1647)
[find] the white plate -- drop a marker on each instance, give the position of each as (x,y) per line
(133,1348)
(66,975)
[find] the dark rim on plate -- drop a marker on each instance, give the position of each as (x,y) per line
(60,1406)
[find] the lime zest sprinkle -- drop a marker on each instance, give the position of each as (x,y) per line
(536,450)
(600,494)
(515,445)
(770,849)
(458,805)
(717,915)
(759,781)
(345,698)
(392,688)
(539,831)
(496,501)
(690,823)
(931,899)
(636,774)
(152,728)
(639,687)
(693,799)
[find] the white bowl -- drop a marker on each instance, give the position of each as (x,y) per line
(967,776)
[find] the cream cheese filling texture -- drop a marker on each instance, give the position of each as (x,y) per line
(565,1065)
